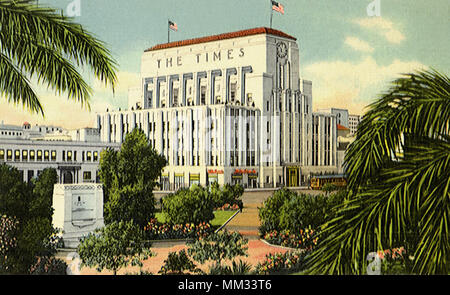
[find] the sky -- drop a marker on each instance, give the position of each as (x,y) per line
(349,55)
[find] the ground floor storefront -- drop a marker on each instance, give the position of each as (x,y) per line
(291,175)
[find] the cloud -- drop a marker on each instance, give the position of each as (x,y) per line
(353,85)
(358,44)
(383,27)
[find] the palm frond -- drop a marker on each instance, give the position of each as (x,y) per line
(16,87)
(399,171)
(39,38)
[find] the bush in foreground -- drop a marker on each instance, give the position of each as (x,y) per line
(113,247)
(193,205)
(282,263)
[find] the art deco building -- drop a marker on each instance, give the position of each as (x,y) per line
(230,108)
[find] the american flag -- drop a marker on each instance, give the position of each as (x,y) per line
(277,7)
(173,25)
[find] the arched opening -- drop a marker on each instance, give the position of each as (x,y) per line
(67,177)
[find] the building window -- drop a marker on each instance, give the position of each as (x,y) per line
(95,156)
(24,155)
(88,156)
(46,156)
(2,154)
(17,155)
(233,92)
(87,175)
(53,154)
(175,97)
(9,155)
(32,155)
(203,95)
(69,156)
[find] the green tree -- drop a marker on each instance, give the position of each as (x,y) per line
(113,247)
(14,193)
(218,247)
(106,172)
(40,43)
(129,177)
(8,241)
(398,180)
(31,205)
(41,204)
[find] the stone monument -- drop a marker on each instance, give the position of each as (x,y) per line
(78,210)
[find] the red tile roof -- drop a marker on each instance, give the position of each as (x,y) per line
(340,127)
(243,33)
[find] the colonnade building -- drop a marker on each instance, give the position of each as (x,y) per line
(229,108)
(75,154)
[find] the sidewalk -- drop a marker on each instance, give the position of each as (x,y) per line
(246,222)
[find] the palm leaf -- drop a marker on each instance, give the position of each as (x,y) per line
(43,42)
(399,171)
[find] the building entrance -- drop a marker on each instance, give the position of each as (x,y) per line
(292,177)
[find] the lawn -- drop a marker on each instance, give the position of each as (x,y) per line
(219,217)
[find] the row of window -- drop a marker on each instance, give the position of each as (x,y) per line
(46,155)
(11,133)
(30,174)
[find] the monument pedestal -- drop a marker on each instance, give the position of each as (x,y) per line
(78,210)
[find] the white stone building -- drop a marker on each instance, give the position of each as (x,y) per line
(32,149)
(353,122)
(342,116)
(229,108)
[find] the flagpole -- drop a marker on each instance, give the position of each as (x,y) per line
(168,31)
(271,14)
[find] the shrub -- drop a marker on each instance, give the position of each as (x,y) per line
(280,263)
(237,268)
(303,239)
(114,246)
(49,266)
(161,231)
(229,194)
(287,210)
(269,214)
(394,262)
(218,246)
(228,207)
(178,264)
(303,211)
(193,205)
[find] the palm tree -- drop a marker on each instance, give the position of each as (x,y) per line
(398,182)
(40,43)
